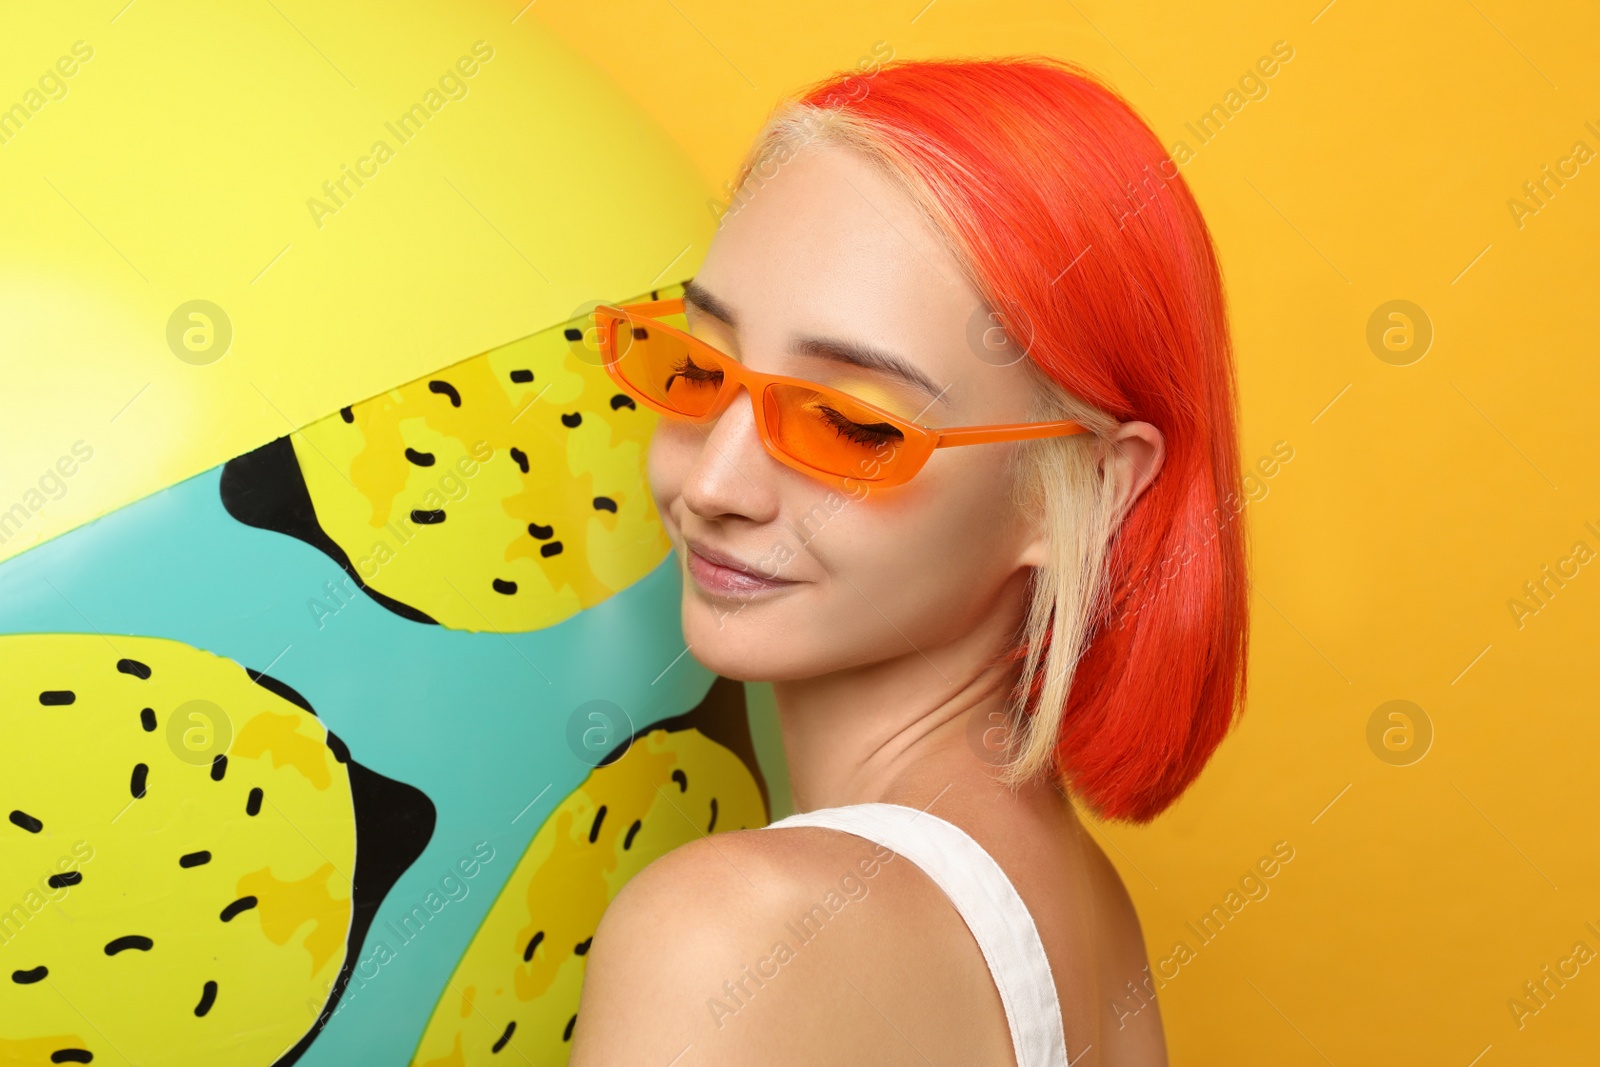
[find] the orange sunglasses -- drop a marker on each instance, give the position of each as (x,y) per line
(819,431)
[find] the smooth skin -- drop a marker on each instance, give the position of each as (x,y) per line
(876,651)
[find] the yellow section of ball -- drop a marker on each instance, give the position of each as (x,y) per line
(139,890)
(504,493)
(518,982)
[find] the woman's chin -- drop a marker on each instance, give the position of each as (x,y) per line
(745,653)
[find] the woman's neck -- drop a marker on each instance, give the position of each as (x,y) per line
(908,730)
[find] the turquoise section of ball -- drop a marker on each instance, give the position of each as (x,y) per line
(477,721)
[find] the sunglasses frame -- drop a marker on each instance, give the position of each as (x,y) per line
(913,452)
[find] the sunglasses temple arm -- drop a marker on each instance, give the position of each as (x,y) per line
(977,435)
(651,308)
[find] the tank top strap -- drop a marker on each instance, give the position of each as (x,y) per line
(986,901)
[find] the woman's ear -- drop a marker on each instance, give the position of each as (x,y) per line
(1036,549)
(1036,553)
(1139,452)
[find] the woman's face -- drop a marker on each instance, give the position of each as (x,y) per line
(828,250)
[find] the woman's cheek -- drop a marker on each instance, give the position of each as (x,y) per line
(664,464)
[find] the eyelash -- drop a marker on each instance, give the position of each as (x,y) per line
(855,431)
(689,371)
(687,367)
(864,434)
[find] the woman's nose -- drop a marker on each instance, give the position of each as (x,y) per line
(731,472)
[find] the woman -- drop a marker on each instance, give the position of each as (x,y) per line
(963,641)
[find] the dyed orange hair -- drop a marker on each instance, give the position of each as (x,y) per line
(1076,228)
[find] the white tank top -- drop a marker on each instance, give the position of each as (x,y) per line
(987,902)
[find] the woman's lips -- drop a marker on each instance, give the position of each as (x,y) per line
(713,574)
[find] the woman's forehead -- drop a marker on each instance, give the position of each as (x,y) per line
(830,220)
(828,247)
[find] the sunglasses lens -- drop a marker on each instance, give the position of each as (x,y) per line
(664,369)
(832,434)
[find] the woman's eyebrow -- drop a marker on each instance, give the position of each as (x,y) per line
(849,352)
(701,297)
(859,355)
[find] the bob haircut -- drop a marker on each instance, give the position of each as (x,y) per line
(1074,225)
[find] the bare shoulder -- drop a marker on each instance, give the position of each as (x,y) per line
(1130,1031)
(1125,940)
(704,954)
